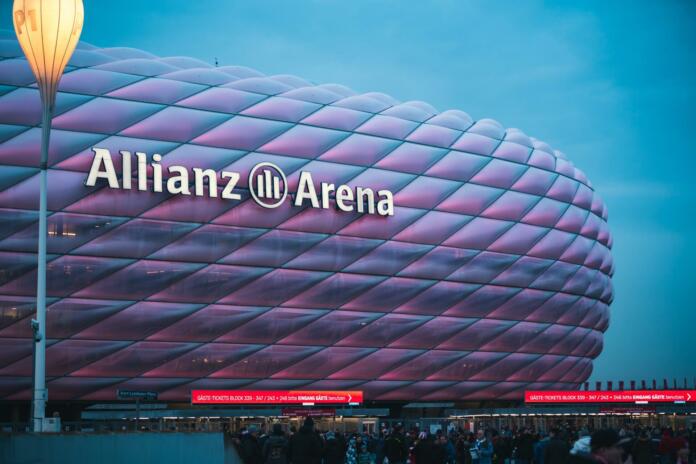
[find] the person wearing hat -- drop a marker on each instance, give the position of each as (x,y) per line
(306,445)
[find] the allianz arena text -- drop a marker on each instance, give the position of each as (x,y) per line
(491,275)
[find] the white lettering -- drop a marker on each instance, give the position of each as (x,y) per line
(365,195)
(385,206)
(306,190)
(178,183)
(231,184)
(199,182)
(102,157)
(343,194)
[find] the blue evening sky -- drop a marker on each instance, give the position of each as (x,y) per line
(612,84)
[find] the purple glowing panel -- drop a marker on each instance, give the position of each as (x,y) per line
(493,275)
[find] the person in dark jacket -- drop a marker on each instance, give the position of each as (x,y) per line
(305,445)
(334,449)
(525,447)
(642,450)
(395,446)
(275,448)
(556,451)
(249,448)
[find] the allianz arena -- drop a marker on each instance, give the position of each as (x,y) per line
(492,276)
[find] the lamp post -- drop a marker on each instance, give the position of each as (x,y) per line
(48,32)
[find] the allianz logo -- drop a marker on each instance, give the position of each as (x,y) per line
(266,182)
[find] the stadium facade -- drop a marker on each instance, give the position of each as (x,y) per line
(490,275)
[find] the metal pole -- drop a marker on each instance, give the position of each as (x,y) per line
(137,414)
(40,395)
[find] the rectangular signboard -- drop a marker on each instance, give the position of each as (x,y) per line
(309,397)
(136,395)
(308,412)
(624,396)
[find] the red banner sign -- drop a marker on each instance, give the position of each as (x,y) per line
(309,397)
(626,396)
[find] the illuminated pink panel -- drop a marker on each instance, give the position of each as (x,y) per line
(458,166)
(273,248)
(483,268)
(553,308)
(374,226)
(478,234)
(499,173)
(272,325)
(331,328)
(221,99)
(335,291)
(283,109)
(67,388)
(324,363)
(135,359)
(208,323)
(521,305)
(387,126)
(250,214)
(475,143)
(209,284)
(433,228)
(359,149)
(414,390)
(242,133)
(552,336)
(388,294)
(433,332)
(66,356)
(437,298)
(513,152)
(14,349)
(384,330)
(506,367)
(334,253)
(476,335)
(22,195)
(429,134)
(166,91)
(138,280)
(25,148)
(510,206)
(468,366)
(323,221)
(275,287)
(336,118)
(535,181)
(555,276)
(523,272)
(411,157)
(105,115)
(515,337)
(138,321)
(65,275)
(439,263)
(375,364)
(470,199)
(519,239)
(389,258)
(207,243)
(266,362)
(203,360)
(424,365)
(425,192)
(304,142)
(137,384)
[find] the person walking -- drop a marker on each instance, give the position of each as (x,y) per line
(395,446)
(275,448)
(482,451)
(305,446)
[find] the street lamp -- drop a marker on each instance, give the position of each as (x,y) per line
(47,31)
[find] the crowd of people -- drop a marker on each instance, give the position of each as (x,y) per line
(563,444)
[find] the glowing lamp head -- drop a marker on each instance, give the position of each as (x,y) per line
(48,32)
